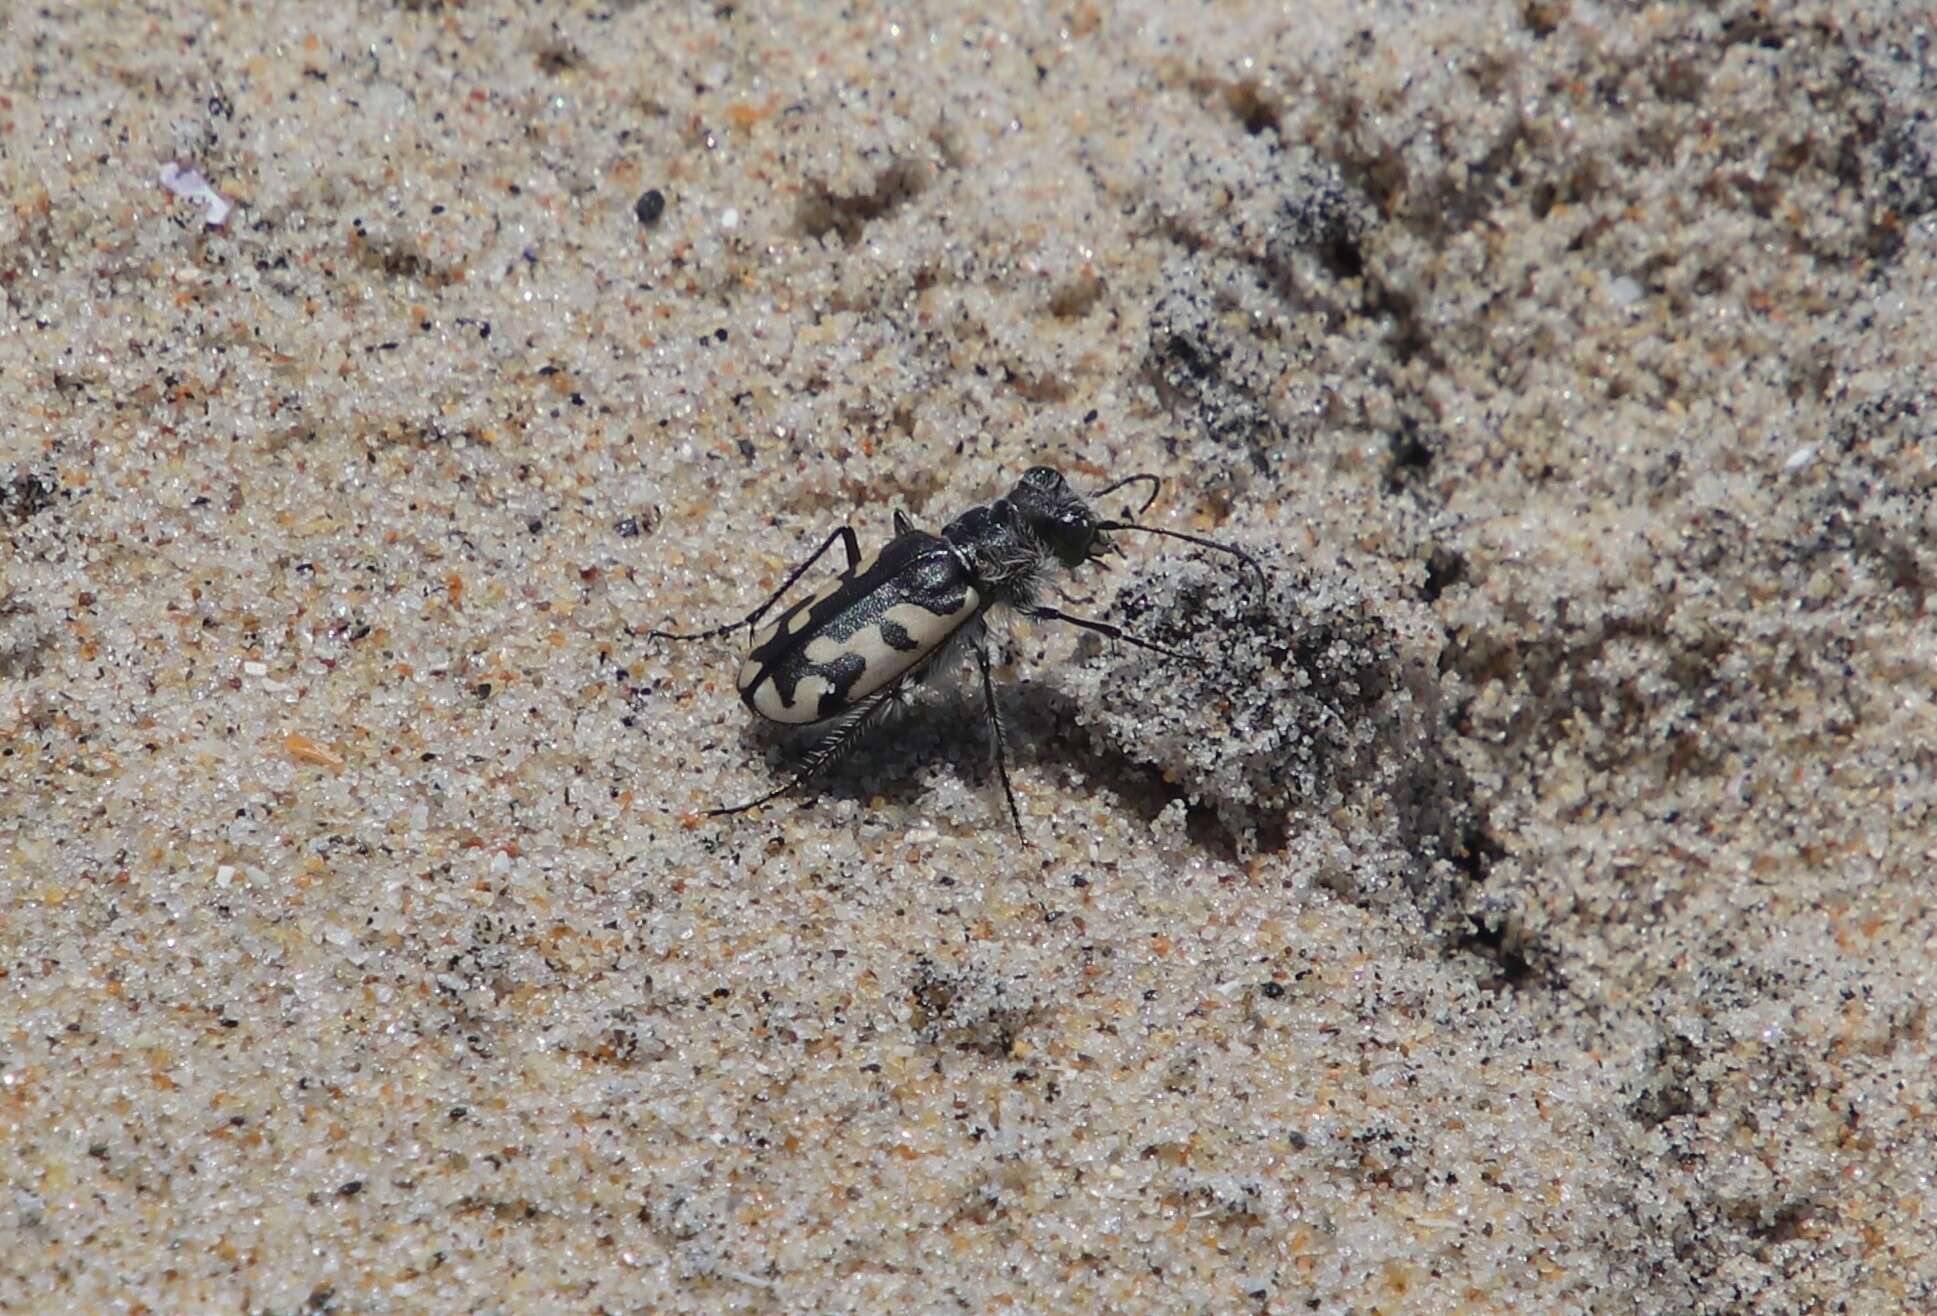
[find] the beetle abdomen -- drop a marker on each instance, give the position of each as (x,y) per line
(859,634)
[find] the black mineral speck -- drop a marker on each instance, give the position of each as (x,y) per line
(25,497)
(649,207)
(1445,567)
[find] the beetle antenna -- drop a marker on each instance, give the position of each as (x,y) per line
(1198,540)
(1156,486)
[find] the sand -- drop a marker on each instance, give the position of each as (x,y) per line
(1521,901)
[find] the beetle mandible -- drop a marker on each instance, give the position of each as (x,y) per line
(845,654)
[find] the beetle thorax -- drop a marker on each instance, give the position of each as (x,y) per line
(1003,557)
(1039,524)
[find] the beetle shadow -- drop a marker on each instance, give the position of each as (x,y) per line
(888,767)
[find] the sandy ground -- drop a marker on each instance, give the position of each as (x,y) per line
(1521,902)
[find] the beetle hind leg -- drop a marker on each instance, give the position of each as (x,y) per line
(843,736)
(844,536)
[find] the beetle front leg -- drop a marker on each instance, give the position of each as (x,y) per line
(847,540)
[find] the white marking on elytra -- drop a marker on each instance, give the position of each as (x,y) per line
(885,663)
(807,700)
(825,648)
(922,624)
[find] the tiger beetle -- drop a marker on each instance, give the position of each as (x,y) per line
(848,653)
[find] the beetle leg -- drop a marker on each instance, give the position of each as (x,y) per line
(846,537)
(1115,632)
(840,738)
(1199,540)
(995,734)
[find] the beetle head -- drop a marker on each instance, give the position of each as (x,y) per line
(1058,516)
